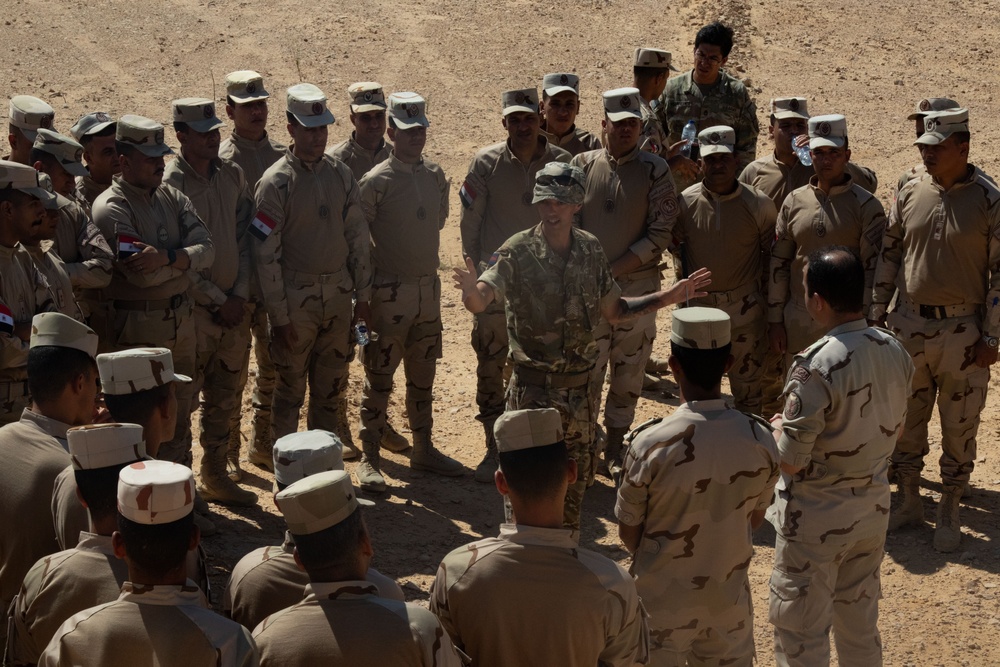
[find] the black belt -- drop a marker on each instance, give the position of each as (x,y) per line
(555,380)
(173,303)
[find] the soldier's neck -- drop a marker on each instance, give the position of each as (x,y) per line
(201,167)
(249,134)
(691,392)
(946,181)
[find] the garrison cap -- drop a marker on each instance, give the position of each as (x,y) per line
(29,114)
(646,56)
(317,502)
(930,104)
(790,107)
(92,123)
(561,181)
(716,139)
(17,176)
(197,112)
(307,104)
(622,103)
(58,330)
(559,82)
(829,130)
(939,125)
(524,100)
(699,328)
(515,430)
(408,110)
(143,134)
(155,492)
(105,445)
(138,369)
(366,96)
(245,86)
(67,151)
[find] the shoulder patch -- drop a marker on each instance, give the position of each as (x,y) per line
(262,226)
(467,194)
(793,406)
(800,373)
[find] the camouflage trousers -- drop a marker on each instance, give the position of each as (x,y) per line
(678,637)
(574,406)
(173,329)
(263,386)
(13,396)
(320,308)
(407,318)
(101,318)
(219,376)
(816,587)
(489,340)
(943,356)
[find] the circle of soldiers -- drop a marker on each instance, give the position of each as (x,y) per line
(130,286)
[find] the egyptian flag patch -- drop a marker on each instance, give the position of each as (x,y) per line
(467,194)
(127,246)
(6,320)
(262,226)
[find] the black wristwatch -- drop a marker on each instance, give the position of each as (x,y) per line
(171,257)
(992,341)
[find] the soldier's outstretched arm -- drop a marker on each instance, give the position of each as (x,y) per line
(476,295)
(629,308)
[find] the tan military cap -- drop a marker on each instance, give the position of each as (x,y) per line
(58,330)
(92,123)
(524,100)
(308,104)
(29,114)
(523,429)
(646,56)
(317,502)
(17,176)
(66,150)
(138,369)
(197,112)
(408,110)
(559,82)
(53,204)
(105,445)
(699,328)
(929,104)
(366,96)
(298,455)
(143,134)
(939,125)
(155,492)
(829,130)
(716,139)
(622,103)
(789,107)
(560,181)
(245,86)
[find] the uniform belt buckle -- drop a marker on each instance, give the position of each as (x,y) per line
(933,312)
(176,301)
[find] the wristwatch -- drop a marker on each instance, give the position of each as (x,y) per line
(992,341)
(172,257)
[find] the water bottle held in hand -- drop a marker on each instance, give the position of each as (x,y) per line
(690,135)
(802,152)
(361,333)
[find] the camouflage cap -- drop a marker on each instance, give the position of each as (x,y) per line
(308,104)
(143,134)
(622,103)
(105,445)
(699,328)
(245,86)
(646,56)
(29,114)
(408,110)
(92,123)
(317,502)
(560,82)
(197,112)
(67,151)
(829,130)
(524,100)
(789,107)
(155,492)
(560,181)
(17,176)
(716,139)
(138,369)
(366,96)
(939,125)
(58,330)
(298,455)
(523,429)
(929,104)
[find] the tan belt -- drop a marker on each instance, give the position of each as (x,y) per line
(172,303)
(939,312)
(554,380)
(725,298)
(303,277)
(384,278)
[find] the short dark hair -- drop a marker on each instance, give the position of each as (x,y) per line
(136,408)
(38,155)
(230,101)
(51,368)
(87,138)
(717,34)
(536,473)
(702,368)
(292,120)
(180,126)
(158,548)
(122,148)
(640,72)
(837,275)
(99,488)
(333,547)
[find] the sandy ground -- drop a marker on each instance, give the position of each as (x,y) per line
(869,61)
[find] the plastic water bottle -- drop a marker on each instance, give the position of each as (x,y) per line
(802,152)
(361,333)
(690,135)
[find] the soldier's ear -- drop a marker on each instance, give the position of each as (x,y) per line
(571,471)
(730,360)
(118,545)
(501,483)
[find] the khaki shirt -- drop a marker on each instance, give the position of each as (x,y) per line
(845,404)
(809,220)
(574,142)
(496,197)
(728,234)
(253,157)
(59,586)
(165,219)
(532,596)
(406,206)
(87,189)
(692,481)
(918,170)
(776,179)
(69,516)
(630,204)
(147,626)
(54,270)
(80,244)
(358,158)
(942,247)
(654,137)
(24,292)
(309,221)
(225,204)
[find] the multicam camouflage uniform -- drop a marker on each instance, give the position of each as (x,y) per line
(845,404)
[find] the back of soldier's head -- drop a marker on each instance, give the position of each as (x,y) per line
(61,349)
(98,453)
(837,274)
(137,382)
(700,341)
(532,452)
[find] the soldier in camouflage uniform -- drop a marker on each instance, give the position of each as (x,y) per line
(942,253)
(693,486)
(53,269)
(728,227)
(924,107)
(496,203)
(556,285)
(346,622)
(95,132)
(560,105)
(844,407)
(650,70)
(27,115)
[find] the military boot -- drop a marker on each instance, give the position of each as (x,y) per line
(370,478)
(910,509)
(343,430)
(205,525)
(426,457)
(393,440)
(215,483)
(261,454)
(233,468)
(613,452)
(487,468)
(657,365)
(259,443)
(948,533)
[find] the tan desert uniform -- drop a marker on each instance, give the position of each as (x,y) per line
(253,157)
(777,179)
(359,160)
(69,517)
(574,142)
(87,189)
(54,271)
(79,243)
(844,406)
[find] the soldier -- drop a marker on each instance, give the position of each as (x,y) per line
(63,382)
(96,133)
(267,579)
(556,284)
(312,260)
(223,200)
(27,115)
(844,406)
(584,608)
(347,624)
(924,107)
(832,209)
(630,205)
(39,245)
(560,105)
(728,227)
(946,267)
(693,484)
(89,574)
(496,203)
(709,96)
(650,70)
(160,617)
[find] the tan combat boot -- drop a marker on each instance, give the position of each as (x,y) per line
(233,468)
(259,447)
(948,534)
(205,525)
(216,485)
(426,457)
(393,440)
(613,452)
(487,468)
(910,510)
(343,430)
(261,454)
(370,478)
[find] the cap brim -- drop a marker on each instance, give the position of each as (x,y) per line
(672,68)
(410,123)
(207,125)
(325,118)
(76,168)
(781,115)
(615,116)
(155,151)
(364,502)
(178,377)
(917,114)
(711,149)
(826,142)
(555,90)
(41,194)
(518,109)
(243,99)
(932,138)
(364,108)
(29,134)
(95,129)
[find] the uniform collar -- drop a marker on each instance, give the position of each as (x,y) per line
(711,405)
(628,157)
(542,141)
(405,167)
(130,190)
(168,596)
(835,190)
(848,327)
(714,196)
(188,170)
(263,142)
(539,537)
(94,542)
(301,165)
(47,425)
(340,590)
(361,149)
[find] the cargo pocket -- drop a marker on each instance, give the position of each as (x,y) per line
(790,605)
(975,395)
